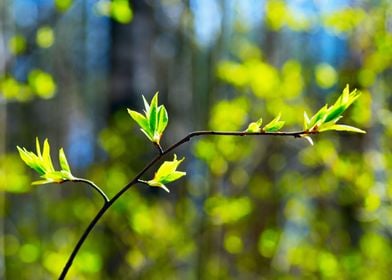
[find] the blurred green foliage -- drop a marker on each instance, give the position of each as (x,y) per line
(251,208)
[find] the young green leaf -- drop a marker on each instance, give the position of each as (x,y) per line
(259,122)
(153,117)
(47,160)
(63,161)
(274,125)
(139,119)
(254,126)
(155,120)
(150,137)
(143,122)
(42,164)
(146,106)
(31,160)
(327,117)
(318,118)
(37,146)
(163,119)
(342,127)
(167,173)
(334,113)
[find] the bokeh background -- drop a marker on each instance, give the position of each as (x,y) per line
(249,208)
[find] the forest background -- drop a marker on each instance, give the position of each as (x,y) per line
(248,207)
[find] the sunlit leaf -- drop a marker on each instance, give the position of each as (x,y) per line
(47,160)
(42,182)
(146,106)
(38,147)
(163,119)
(153,116)
(140,120)
(275,125)
(63,161)
(318,118)
(155,120)
(327,117)
(42,164)
(31,160)
(253,127)
(167,173)
(150,137)
(342,127)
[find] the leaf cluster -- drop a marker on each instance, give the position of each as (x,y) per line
(273,126)
(43,165)
(326,118)
(154,121)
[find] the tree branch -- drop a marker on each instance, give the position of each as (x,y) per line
(93,185)
(136,179)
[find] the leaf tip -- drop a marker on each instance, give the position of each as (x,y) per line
(309,139)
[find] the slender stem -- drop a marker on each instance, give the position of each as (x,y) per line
(82,239)
(136,179)
(92,184)
(159,147)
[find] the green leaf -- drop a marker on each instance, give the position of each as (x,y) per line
(172,177)
(42,164)
(274,125)
(259,122)
(67,175)
(47,160)
(168,167)
(318,118)
(150,137)
(163,119)
(334,113)
(42,182)
(55,176)
(153,183)
(38,148)
(139,119)
(146,106)
(326,118)
(347,97)
(155,120)
(341,104)
(153,116)
(31,160)
(63,161)
(24,155)
(167,173)
(342,127)
(253,127)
